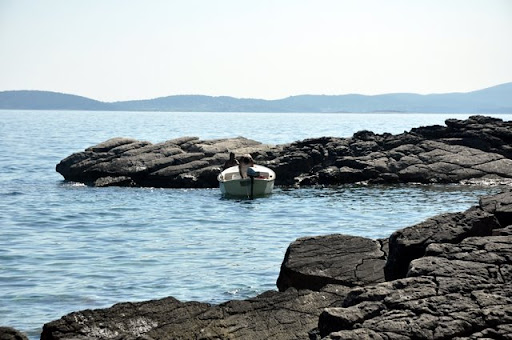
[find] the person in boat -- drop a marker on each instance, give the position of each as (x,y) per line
(245,163)
(230,162)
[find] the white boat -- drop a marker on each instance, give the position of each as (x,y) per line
(259,182)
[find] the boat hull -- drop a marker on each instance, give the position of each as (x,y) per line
(232,184)
(242,187)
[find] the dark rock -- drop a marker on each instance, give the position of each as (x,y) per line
(507,231)
(114,143)
(500,167)
(314,262)
(363,148)
(120,181)
(500,205)
(464,150)
(365,135)
(334,318)
(271,315)
(455,291)
(333,175)
(126,320)
(436,131)
(493,251)
(330,175)
(182,162)
(410,243)
(9,333)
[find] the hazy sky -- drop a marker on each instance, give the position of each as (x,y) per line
(122,49)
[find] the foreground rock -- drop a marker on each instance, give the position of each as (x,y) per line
(8,333)
(314,262)
(410,243)
(458,285)
(477,149)
(271,315)
(500,206)
(459,291)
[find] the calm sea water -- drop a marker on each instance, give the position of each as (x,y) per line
(66,247)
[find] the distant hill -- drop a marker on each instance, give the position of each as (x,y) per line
(496,99)
(44,100)
(198,103)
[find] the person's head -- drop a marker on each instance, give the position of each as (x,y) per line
(246,159)
(231,156)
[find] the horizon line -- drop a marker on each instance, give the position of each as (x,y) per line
(254,98)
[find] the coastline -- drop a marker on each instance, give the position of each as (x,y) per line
(307,176)
(456,284)
(473,150)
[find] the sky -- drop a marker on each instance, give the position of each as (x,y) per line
(114,50)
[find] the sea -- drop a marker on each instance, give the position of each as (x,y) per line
(66,247)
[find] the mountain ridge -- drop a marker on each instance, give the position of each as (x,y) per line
(495,99)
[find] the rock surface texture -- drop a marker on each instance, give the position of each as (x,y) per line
(314,262)
(457,285)
(8,333)
(476,149)
(271,315)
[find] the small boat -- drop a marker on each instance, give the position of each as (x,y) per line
(259,181)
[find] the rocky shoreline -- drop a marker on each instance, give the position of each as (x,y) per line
(448,277)
(478,149)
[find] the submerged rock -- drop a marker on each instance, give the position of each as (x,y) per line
(457,285)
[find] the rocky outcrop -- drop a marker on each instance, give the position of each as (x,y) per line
(476,149)
(178,163)
(271,315)
(410,243)
(457,285)
(461,291)
(9,333)
(314,262)
(500,206)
